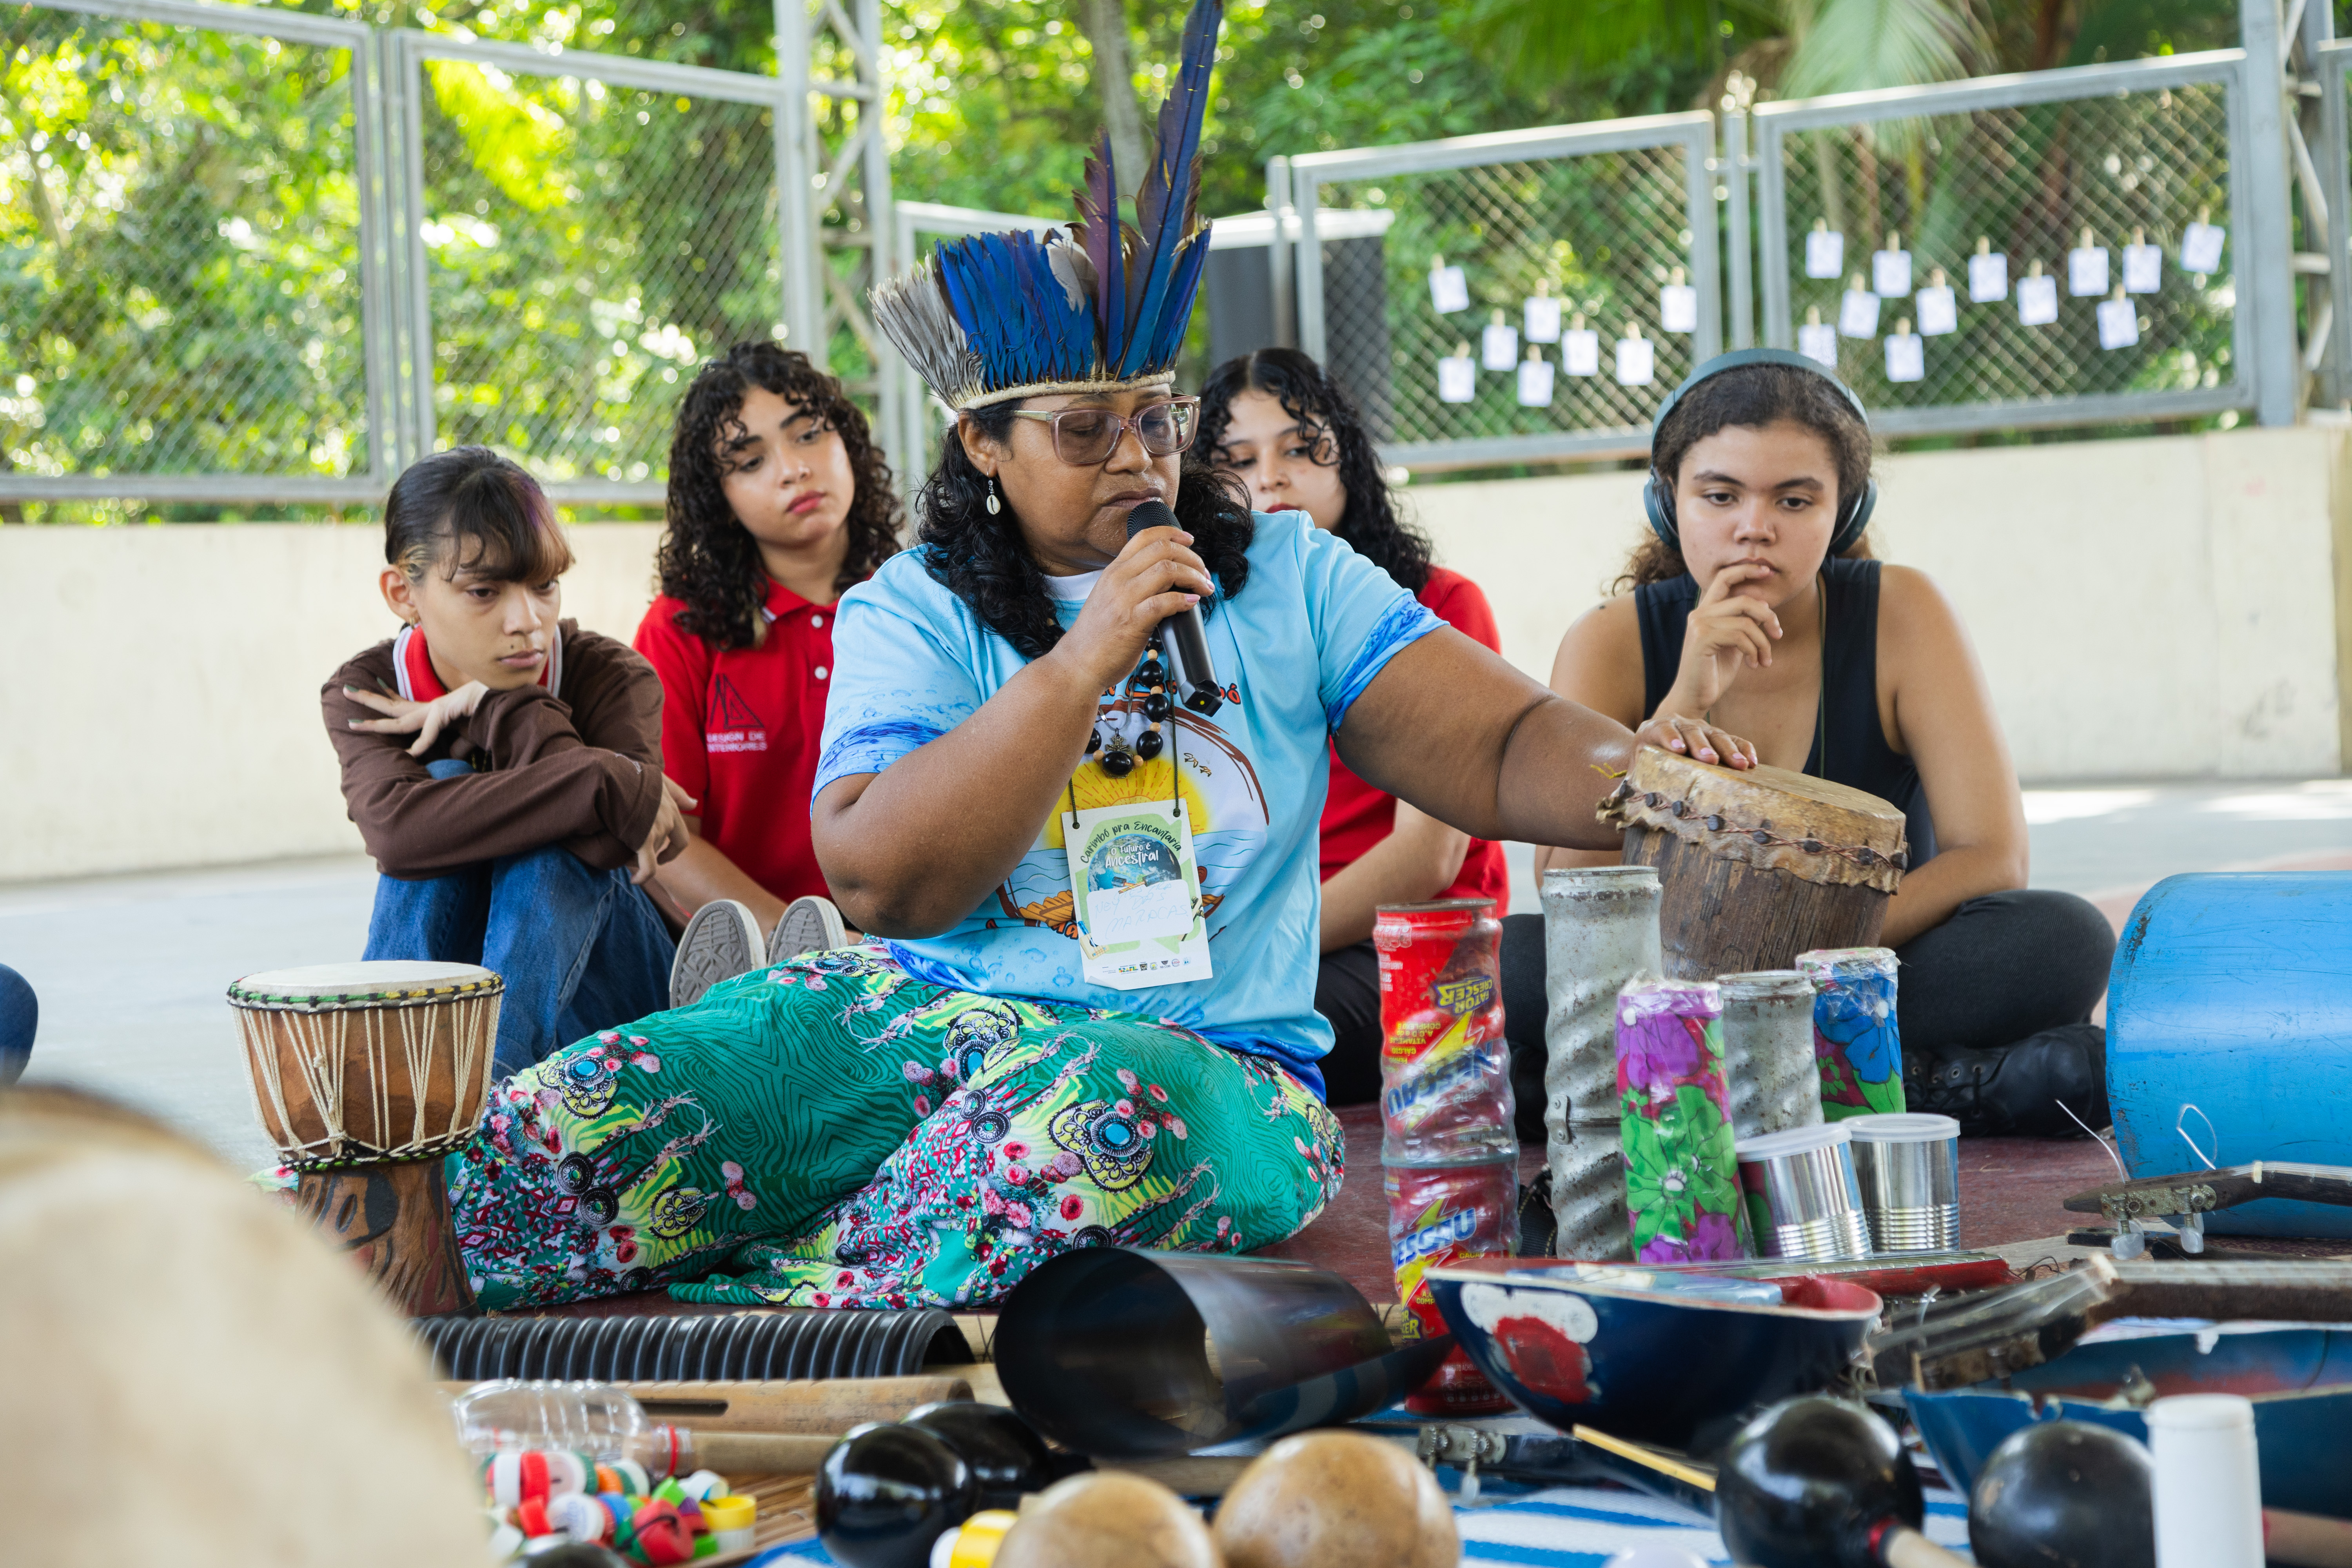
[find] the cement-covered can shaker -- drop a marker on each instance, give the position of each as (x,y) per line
(1767,1051)
(1601,930)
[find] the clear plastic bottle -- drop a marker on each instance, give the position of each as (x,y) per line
(509,1416)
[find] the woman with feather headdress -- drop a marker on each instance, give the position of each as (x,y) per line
(1085,853)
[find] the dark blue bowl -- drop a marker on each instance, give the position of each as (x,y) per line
(2299,1378)
(1585,1345)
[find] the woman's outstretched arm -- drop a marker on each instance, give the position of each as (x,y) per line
(1460,733)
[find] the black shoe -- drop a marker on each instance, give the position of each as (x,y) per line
(2016,1090)
(1538,1227)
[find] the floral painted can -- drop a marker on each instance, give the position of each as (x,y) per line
(1682,1172)
(1856,1041)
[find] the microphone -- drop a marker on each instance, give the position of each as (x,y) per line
(1183,641)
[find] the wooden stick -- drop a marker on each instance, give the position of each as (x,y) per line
(1648,1458)
(760,1453)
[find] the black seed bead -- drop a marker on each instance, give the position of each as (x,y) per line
(1148,744)
(1156,706)
(1094,741)
(1118,764)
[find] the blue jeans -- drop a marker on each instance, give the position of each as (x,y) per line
(579,951)
(20,1011)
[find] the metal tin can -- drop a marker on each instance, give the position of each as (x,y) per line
(1601,930)
(1767,1051)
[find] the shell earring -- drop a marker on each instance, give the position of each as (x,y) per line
(994,506)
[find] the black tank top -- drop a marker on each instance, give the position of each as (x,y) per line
(1849,744)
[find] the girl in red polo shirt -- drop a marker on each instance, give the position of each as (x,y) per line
(1276,422)
(777,502)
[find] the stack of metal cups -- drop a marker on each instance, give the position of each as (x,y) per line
(1909,1166)
(1803,1197)
(1601,930)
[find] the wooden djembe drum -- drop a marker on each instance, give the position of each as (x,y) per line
(365,1076)
(1757,865)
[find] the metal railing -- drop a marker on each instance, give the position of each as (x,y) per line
(1546,249)
(275,257)
(195,308)
(559,321)
(2092,194)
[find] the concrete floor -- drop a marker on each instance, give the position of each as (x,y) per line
(131,969)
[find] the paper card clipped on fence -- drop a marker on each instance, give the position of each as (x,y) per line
(1818,340)
(1824,252)
(1448,289)
(1939,311)
(1498,345)
(1535,380)
(1579,352)
(1858,313)
(1906,357)
(1678,308)
(2086,270)
(2201,248)
(1637,361)
(1136,885)
(2118,323)
(2143,268)
(1890,273)
(1988,277)
(1458,378)
(1541,318)
(2037,301)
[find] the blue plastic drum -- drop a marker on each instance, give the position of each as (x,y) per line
(2232,992)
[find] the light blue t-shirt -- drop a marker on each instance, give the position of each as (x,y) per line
(1293,650)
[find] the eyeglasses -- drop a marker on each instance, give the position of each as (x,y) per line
(1085,437)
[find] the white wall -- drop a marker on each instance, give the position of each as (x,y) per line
(160,705)
(2150,608)
(2155,608)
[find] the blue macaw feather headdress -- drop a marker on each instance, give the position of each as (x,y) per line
(1087,308)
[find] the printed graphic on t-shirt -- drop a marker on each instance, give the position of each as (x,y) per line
(1220,794)
(734,727)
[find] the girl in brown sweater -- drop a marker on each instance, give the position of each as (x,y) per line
(504,767)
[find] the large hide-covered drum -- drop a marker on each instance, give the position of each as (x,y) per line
(1758,865)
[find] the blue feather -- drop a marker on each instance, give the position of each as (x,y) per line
(1164,207)
(1168,336)
(1099,210)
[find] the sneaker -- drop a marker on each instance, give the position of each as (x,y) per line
(807,925)
(721,941)
(2016,1090)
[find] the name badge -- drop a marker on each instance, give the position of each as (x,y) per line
(1136,886)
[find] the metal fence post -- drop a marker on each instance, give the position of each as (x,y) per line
(1733,174)
(1277,251)
(2333,60)
(1305,196)
(796,239)
(1706,240)
(1772,234)
(407,71)
(2268,277)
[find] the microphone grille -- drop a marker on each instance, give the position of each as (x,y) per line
(1150,514)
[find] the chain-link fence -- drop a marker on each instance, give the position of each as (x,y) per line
(2052,248)
(1513,298)
(191,299)
(583,231)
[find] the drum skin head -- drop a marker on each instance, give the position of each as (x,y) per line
(376,977)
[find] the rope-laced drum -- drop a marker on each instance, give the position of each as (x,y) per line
(1758,865)
(364,1075)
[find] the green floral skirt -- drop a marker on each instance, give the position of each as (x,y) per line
(834,1132)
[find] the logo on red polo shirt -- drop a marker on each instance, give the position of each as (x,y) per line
(734,727)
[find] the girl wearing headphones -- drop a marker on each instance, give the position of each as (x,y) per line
(1757,603)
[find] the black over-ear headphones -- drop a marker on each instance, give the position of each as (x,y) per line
(1658,493)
